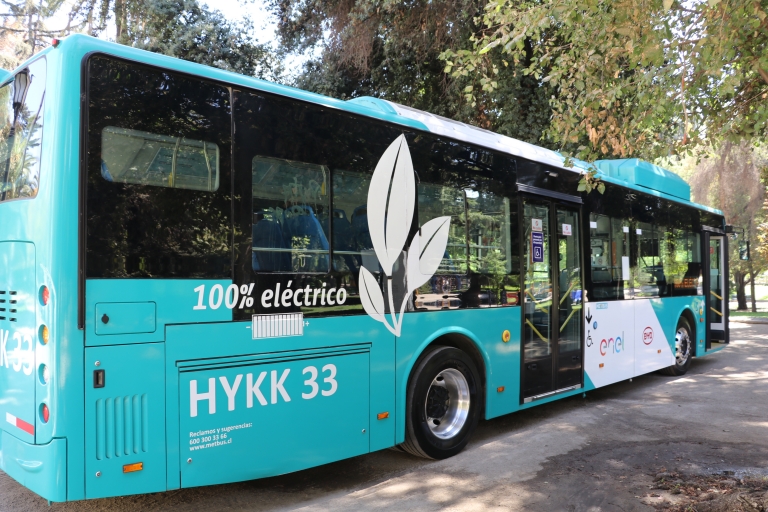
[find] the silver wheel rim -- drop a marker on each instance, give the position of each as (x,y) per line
(447,403)
(682,346)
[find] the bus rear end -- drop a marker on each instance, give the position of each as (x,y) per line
(30,452)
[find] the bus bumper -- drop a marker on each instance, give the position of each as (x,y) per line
(40,468)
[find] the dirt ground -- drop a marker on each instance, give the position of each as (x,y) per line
(694,443)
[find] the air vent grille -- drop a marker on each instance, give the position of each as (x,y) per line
(8,301)
(122,426)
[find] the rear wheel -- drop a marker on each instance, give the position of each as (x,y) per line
(443,404)
(683,349)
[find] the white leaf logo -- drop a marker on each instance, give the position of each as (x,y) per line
(370,295)
(426,252)
(391,197)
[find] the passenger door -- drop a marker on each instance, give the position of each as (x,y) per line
(551,326)
(715,286)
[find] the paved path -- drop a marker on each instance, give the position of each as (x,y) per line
(593,454)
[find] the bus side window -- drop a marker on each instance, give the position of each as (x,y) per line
(144,158)
(352,245)
(682,261)
(290,210)
(651,278)
(609,257)
(441,201)
(159,187)
(21,133)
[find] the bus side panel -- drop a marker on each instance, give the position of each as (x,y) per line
(40,468)
(654,342)
(200,352)
(274,416)
(501,360)
(669,310)
(18,339)
(124,420)
(609,353)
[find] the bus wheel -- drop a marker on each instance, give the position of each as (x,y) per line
(683,349)
(442,405)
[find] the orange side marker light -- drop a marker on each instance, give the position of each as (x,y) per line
(500,389)
(130,468)
(602,364)
(382,416)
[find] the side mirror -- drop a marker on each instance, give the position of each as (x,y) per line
(744,250)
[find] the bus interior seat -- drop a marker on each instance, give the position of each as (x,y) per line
(267,233)
(343,240)
(360,232)
(300,222)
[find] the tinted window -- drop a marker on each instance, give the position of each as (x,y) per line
(303,222)
(159,186)
(291,160)
(609,256)
(290,199)
(21,132)
(143,158)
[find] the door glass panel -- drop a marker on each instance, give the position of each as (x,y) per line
(569,280)
(715,282)
(538,281)
(569,299)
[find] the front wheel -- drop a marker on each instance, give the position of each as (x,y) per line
(683,349)
(443,404)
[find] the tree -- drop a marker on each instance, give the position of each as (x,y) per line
(732,178)
(179,28)
(390,50)
(24,31)
(640,77)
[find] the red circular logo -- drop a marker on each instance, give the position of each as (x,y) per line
(648,336)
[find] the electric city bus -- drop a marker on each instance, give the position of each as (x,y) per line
(210,278)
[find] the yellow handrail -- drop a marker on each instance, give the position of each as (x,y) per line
(566,293)
(716,295)
(716,311)
(567,320)
(545,340)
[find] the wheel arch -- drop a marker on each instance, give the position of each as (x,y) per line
(456,337)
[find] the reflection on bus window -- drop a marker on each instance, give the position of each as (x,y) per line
(489,230)
(439,201)
(143,158)
(352,245)
(290,208)
(609,257)
(651,279)
(21,133)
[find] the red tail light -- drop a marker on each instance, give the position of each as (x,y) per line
(45,295)
(45,413)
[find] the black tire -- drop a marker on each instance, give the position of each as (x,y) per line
(684,348)
(441,367)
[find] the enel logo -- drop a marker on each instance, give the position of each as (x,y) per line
(611,345)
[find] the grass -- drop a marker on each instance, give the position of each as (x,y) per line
(763,314)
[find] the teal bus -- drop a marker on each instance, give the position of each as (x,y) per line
(209,278)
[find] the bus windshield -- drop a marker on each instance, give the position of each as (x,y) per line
(21,123)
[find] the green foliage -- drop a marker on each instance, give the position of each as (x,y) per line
(179,28)
(640,77)
(391,50)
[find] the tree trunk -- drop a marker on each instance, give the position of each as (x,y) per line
(752,277)
(741,295)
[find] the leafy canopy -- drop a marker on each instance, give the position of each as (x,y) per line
(632,77)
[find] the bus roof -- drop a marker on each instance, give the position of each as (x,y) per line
(631,173)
